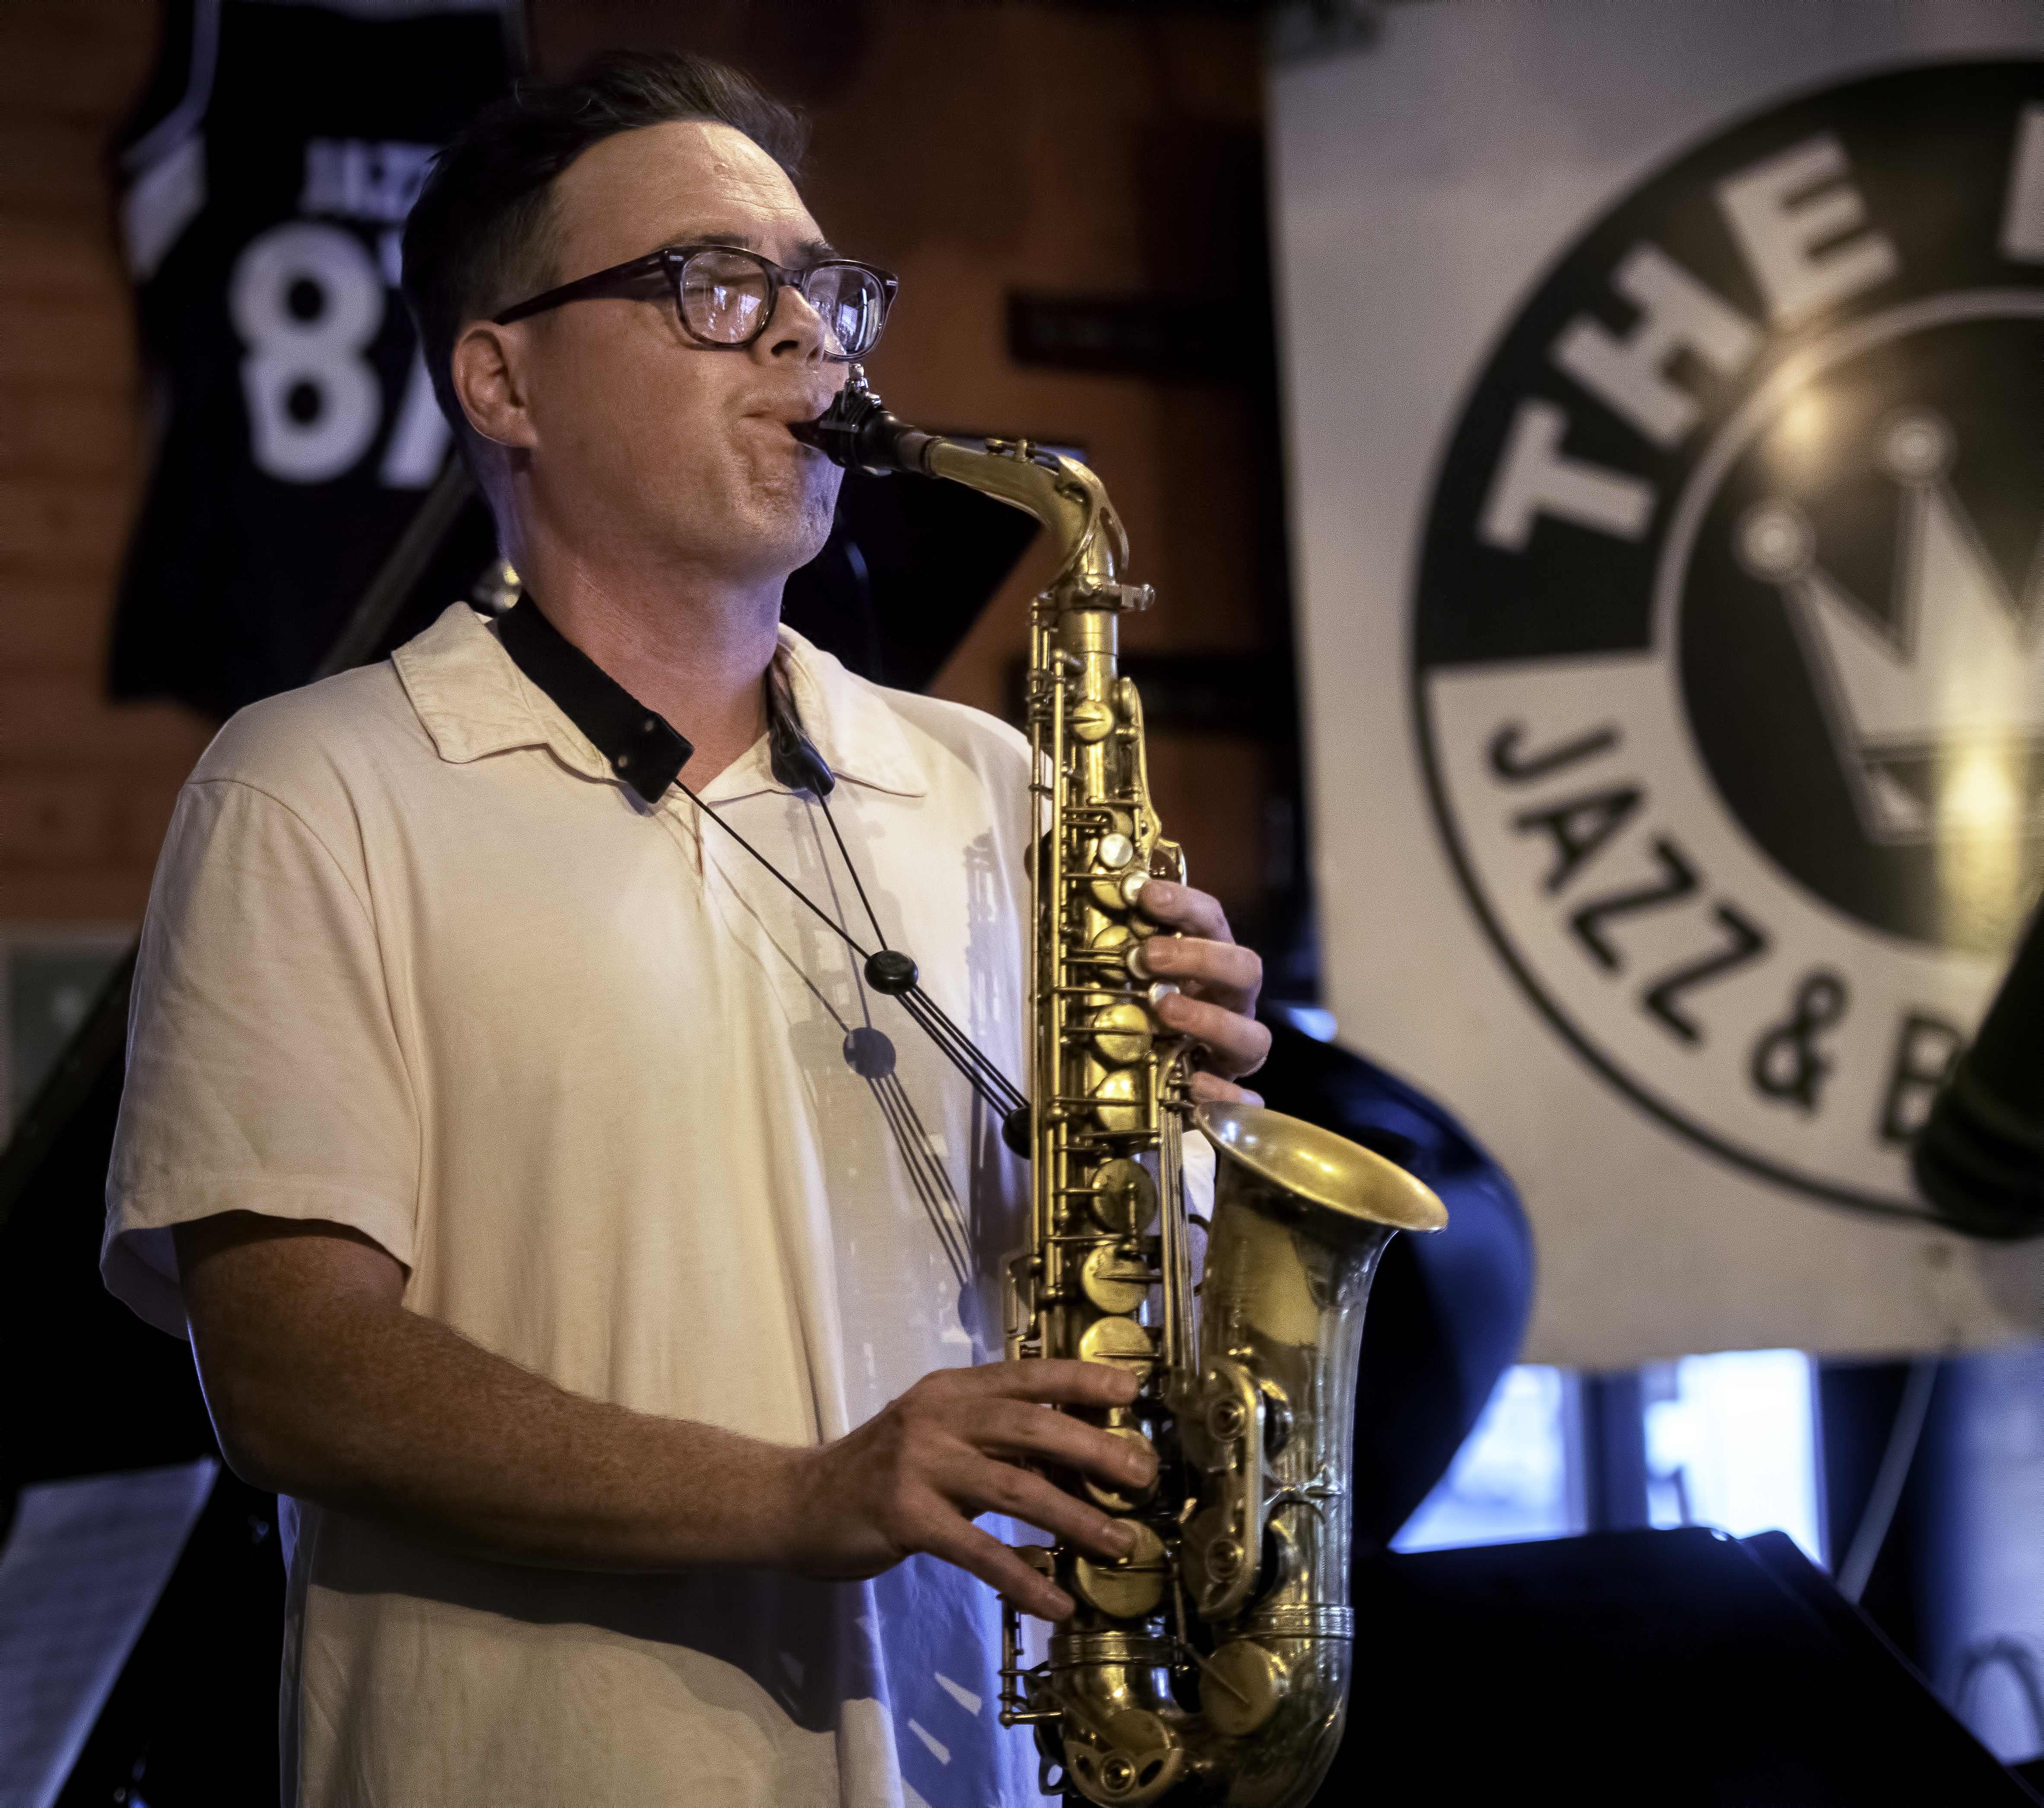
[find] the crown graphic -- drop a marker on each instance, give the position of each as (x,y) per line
(1937,719)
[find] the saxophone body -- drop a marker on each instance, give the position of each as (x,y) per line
(1211,1666)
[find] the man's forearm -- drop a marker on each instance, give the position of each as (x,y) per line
(323,1386)
(335,1393)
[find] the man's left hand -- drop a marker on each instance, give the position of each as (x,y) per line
(1217,981)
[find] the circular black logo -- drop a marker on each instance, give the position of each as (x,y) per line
(1728,663)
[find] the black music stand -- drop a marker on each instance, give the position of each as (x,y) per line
(1682,1669)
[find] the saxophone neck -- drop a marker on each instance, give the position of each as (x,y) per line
(1070,501)
(858,432)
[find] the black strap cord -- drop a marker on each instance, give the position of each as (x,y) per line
(845,852)
(889,971)
(919,1004)
(647,753)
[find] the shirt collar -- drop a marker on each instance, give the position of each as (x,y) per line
(639,744)
(475,698)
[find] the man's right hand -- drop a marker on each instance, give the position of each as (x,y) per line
(913,1478)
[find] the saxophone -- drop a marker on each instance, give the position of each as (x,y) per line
(1211,1665)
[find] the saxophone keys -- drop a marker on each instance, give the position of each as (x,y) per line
(1129,1764)
(1116,1280)
(1132,1587)
(1116,872)
(1220,1569)
(1117,1101)
(1120,1033)
(1089,719)
(1249,1683)
(1123,939)
(1121,1501)
(1121,1343)
(1227,1419)
(1118,892)
(1125,1199)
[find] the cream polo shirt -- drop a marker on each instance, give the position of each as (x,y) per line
(416,961)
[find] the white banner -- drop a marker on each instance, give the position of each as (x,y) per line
(1666,392)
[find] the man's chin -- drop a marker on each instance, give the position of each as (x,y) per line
(814,512)
(775,523)
(789,539)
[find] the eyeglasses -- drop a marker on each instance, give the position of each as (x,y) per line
(725,297)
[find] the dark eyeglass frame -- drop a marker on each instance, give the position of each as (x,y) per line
(672,262)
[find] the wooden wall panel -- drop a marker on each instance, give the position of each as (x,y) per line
(86,786)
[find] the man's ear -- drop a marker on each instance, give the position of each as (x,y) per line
(489,373)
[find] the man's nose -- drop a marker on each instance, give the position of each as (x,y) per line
(796,332)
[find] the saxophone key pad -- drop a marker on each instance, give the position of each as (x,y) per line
(1125,1199)
(1131,1588)
(1113,938)
(1117,1101)
(1116,1280)
(1114,890)
(1120,1033)
(1120,1342)
(1090,720)
(1120,1501)
(1240,1686)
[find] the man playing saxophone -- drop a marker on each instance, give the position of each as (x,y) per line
(605,1273)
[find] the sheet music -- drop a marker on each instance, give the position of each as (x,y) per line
(83,1568)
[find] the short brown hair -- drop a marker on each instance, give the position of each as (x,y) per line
(479,238)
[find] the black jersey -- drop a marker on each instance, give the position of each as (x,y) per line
(264,184)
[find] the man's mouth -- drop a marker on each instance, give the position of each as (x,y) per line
(802,431)
(791,415)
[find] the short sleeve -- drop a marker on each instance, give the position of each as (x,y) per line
(264,1070)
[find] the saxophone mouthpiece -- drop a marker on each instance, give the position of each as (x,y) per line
(857,431)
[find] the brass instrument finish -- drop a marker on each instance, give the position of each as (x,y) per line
(1235,1597)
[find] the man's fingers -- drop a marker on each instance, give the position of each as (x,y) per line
(1235,1045)
(1013,1428)
(1054,1381)
(1223,972)
(986,1485)
(1180,906)
(981,1554)
(1211,1089)
(1218,980)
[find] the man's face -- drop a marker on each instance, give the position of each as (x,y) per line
(670,450)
